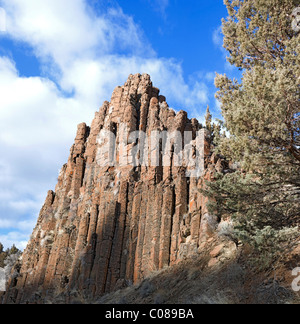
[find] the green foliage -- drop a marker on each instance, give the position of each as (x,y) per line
(214,128)
(208,120)
(271,245)
(262,114)
(259,32)
(264,110)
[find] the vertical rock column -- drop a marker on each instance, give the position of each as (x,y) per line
(107,225)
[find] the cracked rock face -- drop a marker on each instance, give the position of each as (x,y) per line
(105,226)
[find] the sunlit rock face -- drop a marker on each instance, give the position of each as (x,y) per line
(122,208)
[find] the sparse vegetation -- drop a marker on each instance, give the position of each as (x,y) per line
(232,281)
(7,253)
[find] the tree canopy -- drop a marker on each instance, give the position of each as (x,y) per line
(262,116)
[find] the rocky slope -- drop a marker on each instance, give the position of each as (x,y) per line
(106,227)
(219,274)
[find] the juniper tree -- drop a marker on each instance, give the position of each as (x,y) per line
(214,128)
(208,120)
(262,114)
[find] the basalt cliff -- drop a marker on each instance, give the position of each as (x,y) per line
(107,227)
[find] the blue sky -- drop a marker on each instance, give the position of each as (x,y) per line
(59,60)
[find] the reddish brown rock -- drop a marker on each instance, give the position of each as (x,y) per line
(216,251)
(104,225)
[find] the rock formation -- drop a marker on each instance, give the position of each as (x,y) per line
(107,226)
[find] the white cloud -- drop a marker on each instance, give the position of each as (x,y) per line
(66,30)
(25,226)
(218,37)
(210,76)
(160,5)
(17,238)
(81,53)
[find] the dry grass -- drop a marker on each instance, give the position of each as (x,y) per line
(231,281)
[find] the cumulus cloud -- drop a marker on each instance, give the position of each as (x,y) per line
(64,30)
(16,238)
(84,55)
(218,37)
